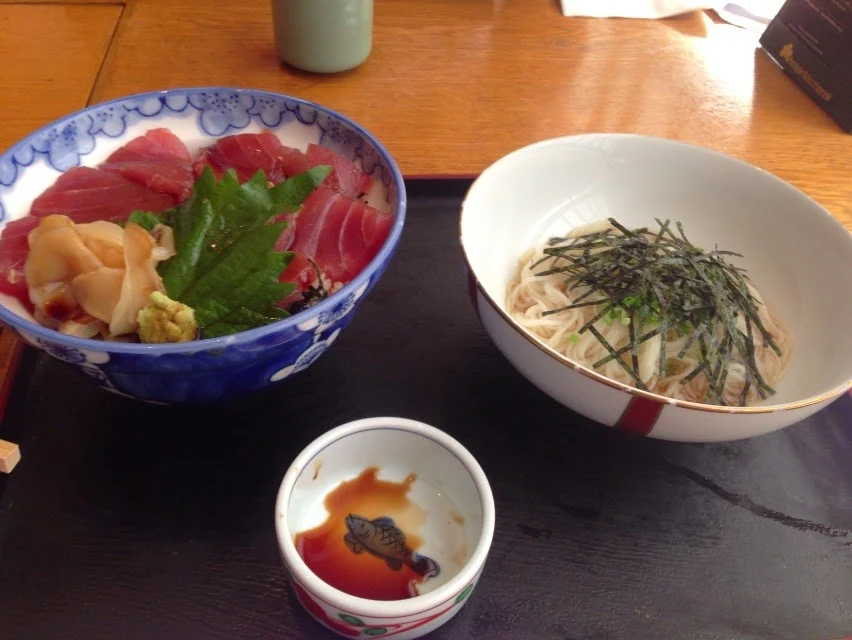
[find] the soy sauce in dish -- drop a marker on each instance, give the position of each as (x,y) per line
(367,545)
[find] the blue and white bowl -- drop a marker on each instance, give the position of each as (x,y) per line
(213,369)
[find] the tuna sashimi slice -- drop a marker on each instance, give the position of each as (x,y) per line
(301,272)
(244,152)
(85,194)
(339,234)
(329,241)
(167,177)
(158,160)
(156,144)
(247,153)
(311,219)
(356,248)
(345,177)
(169,142)
(14,249)
(285,240)
(292,161)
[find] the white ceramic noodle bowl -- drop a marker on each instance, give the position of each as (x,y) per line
(797,254)
(450,488)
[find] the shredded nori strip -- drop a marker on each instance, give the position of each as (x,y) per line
(663,281)
(625,349)
(618,358)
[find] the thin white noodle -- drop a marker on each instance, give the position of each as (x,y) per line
(529,295)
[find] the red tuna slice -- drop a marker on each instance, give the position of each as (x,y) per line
(285,240)
(14,249)
(158,160)
(374,229)
(362,237)
(85,195)
(292,161)
(339,234)
(169,177)
(345,177)
(300,271)
(157,144)
(247,153)
(168,142)
(207,158)
(342,255)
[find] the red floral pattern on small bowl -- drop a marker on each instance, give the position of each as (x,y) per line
(352,626)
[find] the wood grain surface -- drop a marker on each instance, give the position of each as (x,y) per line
(116,2)
(452,85)
(51,55)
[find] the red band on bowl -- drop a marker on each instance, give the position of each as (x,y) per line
(639,416)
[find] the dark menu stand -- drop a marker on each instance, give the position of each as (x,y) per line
(128,521)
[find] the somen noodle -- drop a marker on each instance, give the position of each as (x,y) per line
(651,310)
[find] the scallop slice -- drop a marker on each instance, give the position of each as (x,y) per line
(140,280)
(57,253)
(105,240)
(98,292)
(82,326)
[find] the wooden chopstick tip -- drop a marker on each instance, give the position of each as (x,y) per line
(10,455)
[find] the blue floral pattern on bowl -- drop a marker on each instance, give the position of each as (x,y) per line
(204,370)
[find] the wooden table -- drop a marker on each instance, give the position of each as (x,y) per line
(51,57)
(451,85)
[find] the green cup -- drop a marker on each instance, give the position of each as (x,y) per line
(323,36)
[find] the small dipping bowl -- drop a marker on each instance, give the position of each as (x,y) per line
(449,489)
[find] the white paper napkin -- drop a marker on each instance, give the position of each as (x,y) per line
(749,14)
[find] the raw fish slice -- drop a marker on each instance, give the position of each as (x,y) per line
(82,325)
(85,195)
(13,256)
(163,176)
(157,144)
(375,227)
(270,143)
(207,158)
(292,161)
(246,153)
(20,227)
(339,234)
(311,219)
(285,240)
(105,240)
(378,225)
(301,272)
(302,238)
(327,253)
(98,292)
(356,251)
(158,160)
(169,142)
(139,282)
(57,253)
(349,243)
(345,177)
